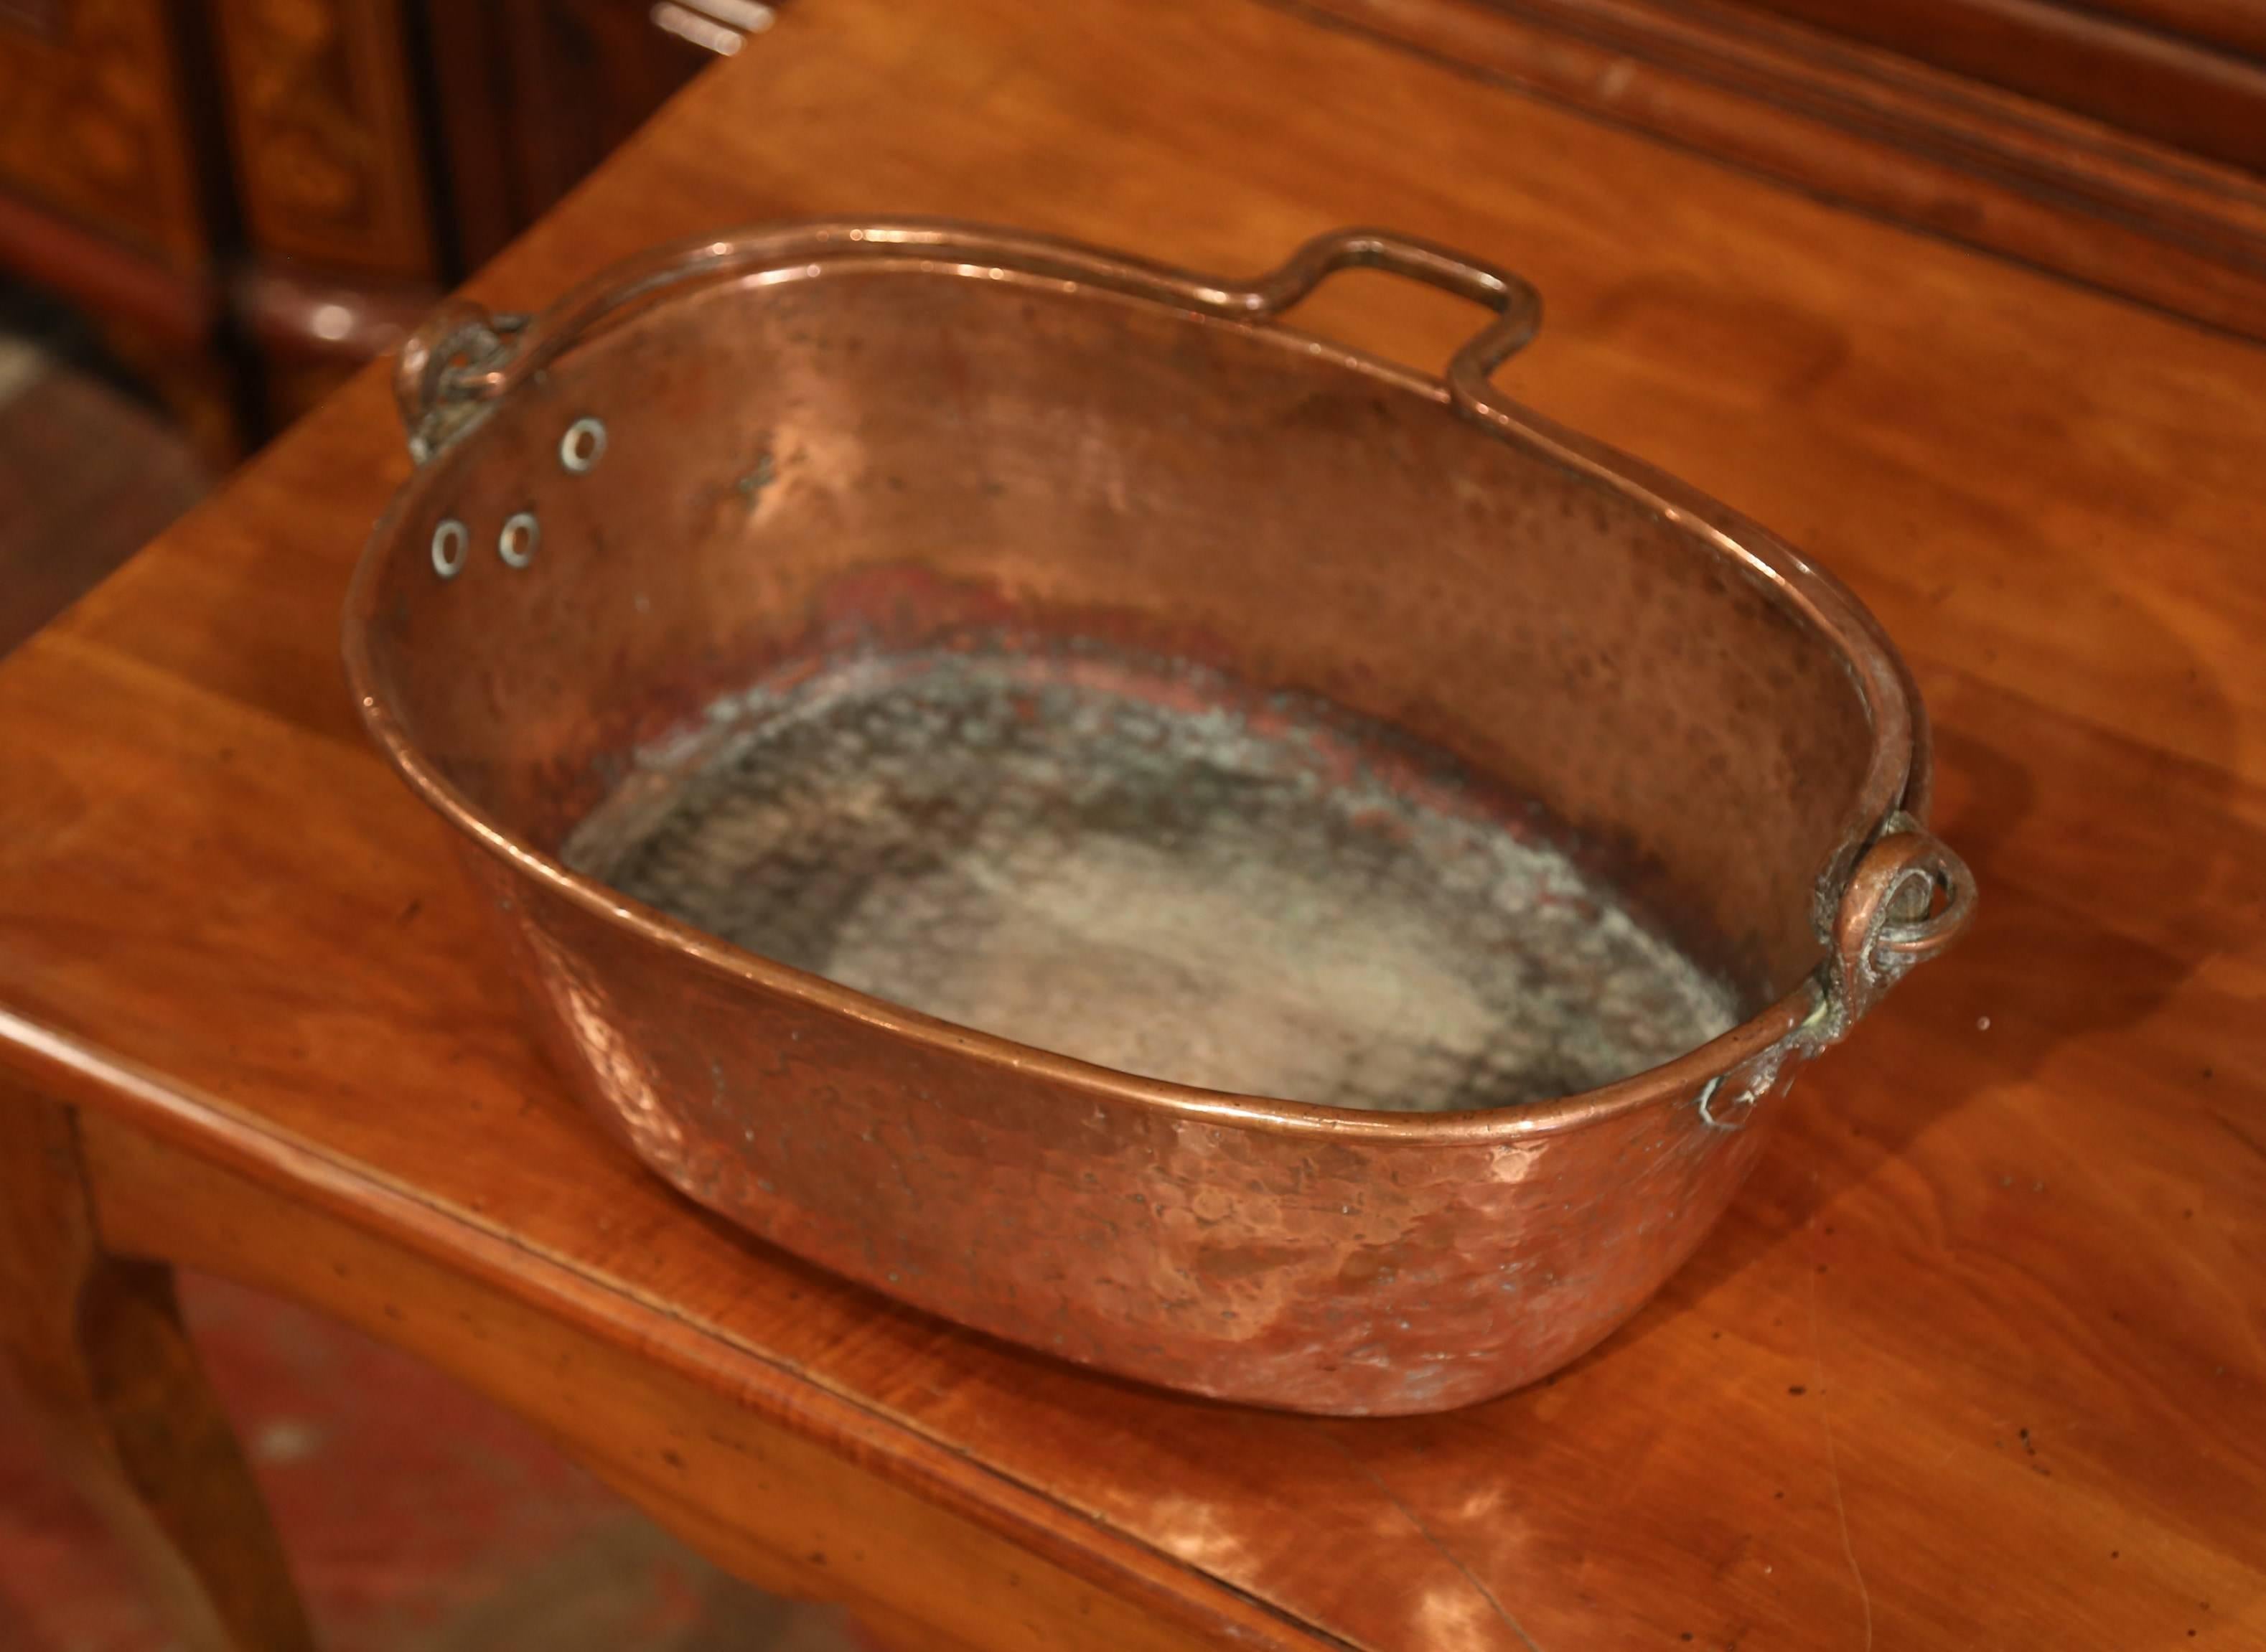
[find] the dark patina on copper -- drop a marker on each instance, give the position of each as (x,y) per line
(1017,777)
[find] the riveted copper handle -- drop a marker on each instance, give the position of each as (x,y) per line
(463,356)
(1909,898)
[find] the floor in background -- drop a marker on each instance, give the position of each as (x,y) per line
(88,472)
(417,1517)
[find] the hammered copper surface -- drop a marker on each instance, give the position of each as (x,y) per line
(832,446)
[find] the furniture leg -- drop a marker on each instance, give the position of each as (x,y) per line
(96,1343)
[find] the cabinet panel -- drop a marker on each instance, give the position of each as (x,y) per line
(91,122)
(322,115)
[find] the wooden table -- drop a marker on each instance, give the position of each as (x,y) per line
(1979,1357)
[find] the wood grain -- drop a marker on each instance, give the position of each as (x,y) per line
(1873,130)
(1977,1357)
(2184,87)
(2238,24)
(805,1493)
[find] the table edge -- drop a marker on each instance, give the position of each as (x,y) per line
(78,1073)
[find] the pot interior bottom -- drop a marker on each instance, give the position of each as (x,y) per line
(1139,864)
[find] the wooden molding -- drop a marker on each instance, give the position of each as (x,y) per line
(1873,130)
(2239,26)
(176,308)
(2156,71)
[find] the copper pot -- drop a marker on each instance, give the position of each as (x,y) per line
(1371,859)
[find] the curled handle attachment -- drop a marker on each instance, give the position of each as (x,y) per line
(1908,899)
(460,339)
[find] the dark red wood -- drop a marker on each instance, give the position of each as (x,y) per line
(2189,92)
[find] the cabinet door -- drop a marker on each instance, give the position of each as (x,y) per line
(93,128)
(329,161)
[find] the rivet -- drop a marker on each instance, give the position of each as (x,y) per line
(583,445)
(451,540)
(515,545)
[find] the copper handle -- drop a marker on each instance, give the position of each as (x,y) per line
(1909,898)
(463,356)
(1516,304)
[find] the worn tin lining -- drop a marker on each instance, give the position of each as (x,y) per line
(1130,862)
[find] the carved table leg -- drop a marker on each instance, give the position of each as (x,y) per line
(97,1345)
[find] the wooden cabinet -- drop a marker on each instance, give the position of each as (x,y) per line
(321,102)
(91,109)
(256,195)
(504,72)
(253,196)
(104,188)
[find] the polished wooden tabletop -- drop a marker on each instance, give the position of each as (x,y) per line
(1978,1358)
